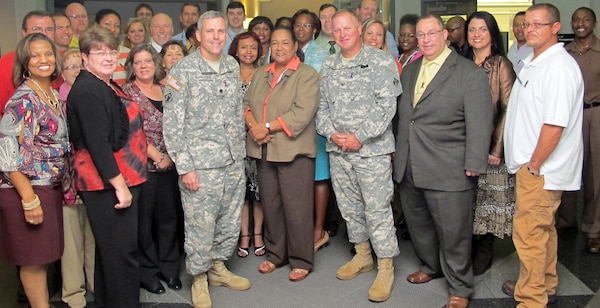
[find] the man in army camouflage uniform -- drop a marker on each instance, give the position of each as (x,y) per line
(358,102)
(204,134)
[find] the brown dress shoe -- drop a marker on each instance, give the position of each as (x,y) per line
(457,302)
(508,288)
(419,277)
(593,245)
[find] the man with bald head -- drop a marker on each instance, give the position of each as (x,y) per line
(161,30)
(456,34)
(33,22)
(370,9)
(77,13)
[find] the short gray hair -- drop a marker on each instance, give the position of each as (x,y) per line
(211,15)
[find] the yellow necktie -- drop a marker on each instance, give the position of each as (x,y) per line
(422,81)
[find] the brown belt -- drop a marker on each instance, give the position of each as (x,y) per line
(590,105)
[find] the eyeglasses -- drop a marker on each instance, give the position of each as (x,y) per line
(75,16)
(42,30)
(406,35)
(305,26)
(73,67)
(102,53)
(422,35)
(535,25)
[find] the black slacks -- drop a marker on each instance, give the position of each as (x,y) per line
(159,217)
(116,278)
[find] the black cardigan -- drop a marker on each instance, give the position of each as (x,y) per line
(98,121)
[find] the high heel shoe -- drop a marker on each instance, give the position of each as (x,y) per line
(259,251)
(243,252)
(323,242)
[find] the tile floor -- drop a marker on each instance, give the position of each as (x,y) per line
(579,274)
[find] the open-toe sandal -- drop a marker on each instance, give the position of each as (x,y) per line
(243,252)
(259,251)
(266,267)
(298,274)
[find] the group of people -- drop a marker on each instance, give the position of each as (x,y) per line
(231,138)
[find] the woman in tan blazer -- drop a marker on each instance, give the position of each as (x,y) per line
(280,108)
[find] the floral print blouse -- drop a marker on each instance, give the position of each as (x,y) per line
(33,139)
(152,119)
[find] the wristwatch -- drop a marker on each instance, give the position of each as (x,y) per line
(268,126)
(531,171)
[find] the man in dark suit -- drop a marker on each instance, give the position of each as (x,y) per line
(443,135)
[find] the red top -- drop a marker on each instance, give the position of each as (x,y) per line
(6,86)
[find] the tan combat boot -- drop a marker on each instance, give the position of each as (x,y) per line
(362,262)
(200,295)
(384,282)
(219,275)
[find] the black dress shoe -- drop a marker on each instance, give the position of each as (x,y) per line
(173,283)
(593,245)
(155,287)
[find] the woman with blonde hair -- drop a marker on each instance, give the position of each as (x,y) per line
(136,32)
(374,35)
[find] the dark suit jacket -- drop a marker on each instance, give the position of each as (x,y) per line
(449,130)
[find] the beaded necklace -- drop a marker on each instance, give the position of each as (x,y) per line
(54,103)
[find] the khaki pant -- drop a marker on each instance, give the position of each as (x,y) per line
(534,236)
(78,257)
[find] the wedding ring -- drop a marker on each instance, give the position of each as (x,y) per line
(31,221)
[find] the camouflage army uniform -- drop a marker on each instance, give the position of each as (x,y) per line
(359,97)
(203,127)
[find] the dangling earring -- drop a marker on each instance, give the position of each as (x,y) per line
(26,74)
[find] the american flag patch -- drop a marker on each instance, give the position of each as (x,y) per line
(174,83)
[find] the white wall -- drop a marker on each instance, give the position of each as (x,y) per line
(402,8)
(11,15)
(566,8)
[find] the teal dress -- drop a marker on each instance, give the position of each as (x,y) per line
(314,56)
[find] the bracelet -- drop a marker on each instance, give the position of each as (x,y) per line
(162,157)
(28,206)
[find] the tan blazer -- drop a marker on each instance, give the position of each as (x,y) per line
(293,101)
